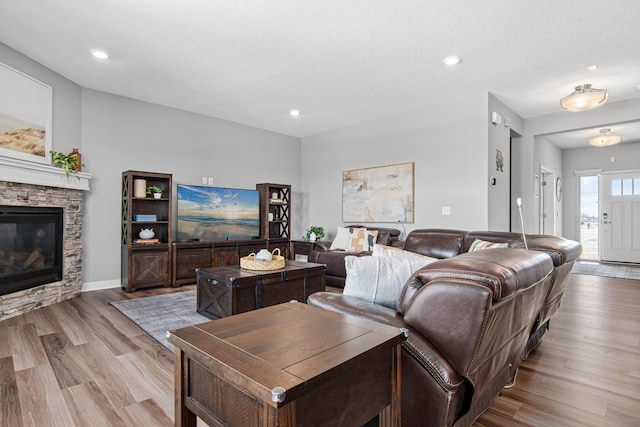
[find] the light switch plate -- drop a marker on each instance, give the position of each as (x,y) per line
(446,210)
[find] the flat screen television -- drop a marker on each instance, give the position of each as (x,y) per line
(214,213)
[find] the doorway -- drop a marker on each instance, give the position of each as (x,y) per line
(619,216)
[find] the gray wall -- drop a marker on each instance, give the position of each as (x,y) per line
(500,201)
(448,143)
(532,153)
(66,98)
(115,134)
(119,134)
(627,157)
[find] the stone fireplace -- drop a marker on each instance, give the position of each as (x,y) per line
(24,184)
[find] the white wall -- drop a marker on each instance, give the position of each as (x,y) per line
(119,134)
(447,142)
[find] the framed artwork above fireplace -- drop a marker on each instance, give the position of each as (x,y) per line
(25,116)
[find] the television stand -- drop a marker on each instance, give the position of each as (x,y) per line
(187,256)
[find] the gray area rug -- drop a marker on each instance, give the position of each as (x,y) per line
(607,270)
(161,313)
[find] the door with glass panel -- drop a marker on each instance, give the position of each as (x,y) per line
(620,216)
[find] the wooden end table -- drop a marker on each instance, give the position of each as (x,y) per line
(288,364)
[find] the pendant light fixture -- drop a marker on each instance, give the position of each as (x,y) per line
(605,138)
(584,98)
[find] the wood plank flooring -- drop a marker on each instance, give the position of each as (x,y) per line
(81,363)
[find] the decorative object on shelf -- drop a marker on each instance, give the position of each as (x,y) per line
(26,111)
(270,216)
(264,255)
(250,262)
(314,233)
(378,194)
(584,98)
(68,162)
(147,233)
(140,188)
(156,191)
(558,188)
(274,196)
(606,137)
(75,152)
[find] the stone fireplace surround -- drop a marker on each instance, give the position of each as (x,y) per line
(28,184)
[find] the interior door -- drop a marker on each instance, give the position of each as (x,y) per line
(620,216)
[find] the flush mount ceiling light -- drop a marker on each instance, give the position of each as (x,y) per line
(606,137)
(584,98)
(294,113)
(452,60)
(100,54)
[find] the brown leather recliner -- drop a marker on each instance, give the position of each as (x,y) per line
(469,319)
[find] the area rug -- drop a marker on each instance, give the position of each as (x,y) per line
(161,313)
(606,270)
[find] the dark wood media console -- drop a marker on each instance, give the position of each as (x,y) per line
(188,256)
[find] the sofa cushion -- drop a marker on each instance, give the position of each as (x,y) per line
(379,279)
(342,240)
(479,244)
(362,240)
(435,242)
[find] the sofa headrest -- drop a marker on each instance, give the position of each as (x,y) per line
(435,242)
(561,250)
(503,271)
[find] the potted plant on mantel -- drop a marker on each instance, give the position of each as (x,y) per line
(70,163)
(156,191)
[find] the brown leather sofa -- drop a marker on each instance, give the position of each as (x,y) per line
(335,272)
(472,318)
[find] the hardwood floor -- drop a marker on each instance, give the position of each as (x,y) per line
(81,363)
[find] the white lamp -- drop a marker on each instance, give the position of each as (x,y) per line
(584,98)
(606,137)
(524,237)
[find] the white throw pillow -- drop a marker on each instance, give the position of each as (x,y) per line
(342,240)
(391,252)
(379,279)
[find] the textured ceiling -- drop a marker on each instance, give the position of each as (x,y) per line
(339,62)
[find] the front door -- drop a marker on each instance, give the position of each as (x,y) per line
(620,216)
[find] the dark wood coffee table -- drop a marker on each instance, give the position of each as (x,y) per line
(287,365)
(224,291)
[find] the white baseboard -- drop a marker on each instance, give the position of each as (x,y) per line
(103,284)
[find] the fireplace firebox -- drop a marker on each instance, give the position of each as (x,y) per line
(31,247)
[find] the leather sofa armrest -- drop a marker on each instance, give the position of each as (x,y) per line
(355,306)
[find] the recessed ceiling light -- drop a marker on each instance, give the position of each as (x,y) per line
(452,60)
(294,113)
(100,54)
(592,67)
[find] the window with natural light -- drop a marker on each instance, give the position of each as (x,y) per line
(588,194)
